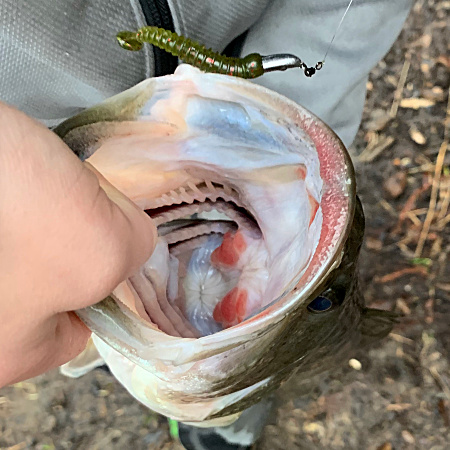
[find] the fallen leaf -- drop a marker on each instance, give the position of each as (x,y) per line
(443,5)
(385,446)
(314,428)
(444,60)
(440,24)
(416,103)
(443,411)
(19,446)
(395,185)
(427,262)
(373,243)
(436,93)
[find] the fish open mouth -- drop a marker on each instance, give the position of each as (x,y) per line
(235,190)
(210,269)
(254,199)
(199,218)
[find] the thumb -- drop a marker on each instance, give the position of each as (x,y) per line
(123,234)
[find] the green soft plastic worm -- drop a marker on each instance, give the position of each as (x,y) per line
(192,52)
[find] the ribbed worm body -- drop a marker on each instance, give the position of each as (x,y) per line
(192,52)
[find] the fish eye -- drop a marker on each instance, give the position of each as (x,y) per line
(320,304)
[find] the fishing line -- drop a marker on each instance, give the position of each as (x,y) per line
(191,52)
(337,30)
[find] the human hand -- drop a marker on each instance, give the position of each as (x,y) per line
(67,239)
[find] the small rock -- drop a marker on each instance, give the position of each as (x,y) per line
(425,68)
(355,364)
(417,136)
(426,40)
(395,185)
(48,424)
(408,437)
(314,428)
(379,118)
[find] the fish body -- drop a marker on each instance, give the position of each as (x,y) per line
(254,199)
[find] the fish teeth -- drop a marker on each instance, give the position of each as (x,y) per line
(185,196)
(227,189)
(194,188)
(211,188)
(200,192)
(175,198)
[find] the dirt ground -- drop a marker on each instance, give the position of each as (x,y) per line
(397,395)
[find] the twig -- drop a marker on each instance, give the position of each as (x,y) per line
(435,188)
(414,219)
(441,224)
(427,167)
(401,339)
(412,199)
(388,207)
(419,212)
(418,270)
(401,84)
(443,286)
(445,204)
(19,446)
(409,205)
(398,407)
(440,381)
(375,149)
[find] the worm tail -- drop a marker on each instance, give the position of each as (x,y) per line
(193,53)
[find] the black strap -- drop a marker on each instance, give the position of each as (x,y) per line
(157,13)
(234,48)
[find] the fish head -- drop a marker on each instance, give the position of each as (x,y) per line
(254,272)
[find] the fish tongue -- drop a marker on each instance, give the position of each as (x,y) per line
(151,285)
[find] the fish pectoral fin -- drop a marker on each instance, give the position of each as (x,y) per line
(376,324)
(86,361)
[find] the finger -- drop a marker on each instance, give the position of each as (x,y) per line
(72,237)
(57,341)
(120,239)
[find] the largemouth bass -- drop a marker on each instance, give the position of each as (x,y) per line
(254,273)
